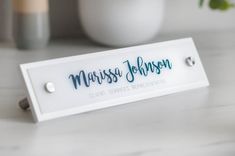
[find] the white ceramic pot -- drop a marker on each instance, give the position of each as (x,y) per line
(121,22)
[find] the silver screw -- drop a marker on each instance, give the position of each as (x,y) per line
(190,61)
(49,87)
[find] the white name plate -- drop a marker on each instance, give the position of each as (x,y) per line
(72,85)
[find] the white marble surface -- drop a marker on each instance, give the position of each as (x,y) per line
(195,123)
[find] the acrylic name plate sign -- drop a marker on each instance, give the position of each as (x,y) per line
(72,85)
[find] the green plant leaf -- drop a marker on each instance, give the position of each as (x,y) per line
(201,3)
(218,4)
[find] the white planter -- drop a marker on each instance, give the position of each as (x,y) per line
(121,22)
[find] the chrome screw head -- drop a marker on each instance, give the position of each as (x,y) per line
(50,87)
(190,61)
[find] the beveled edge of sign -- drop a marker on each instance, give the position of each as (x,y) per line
(34,105)
(101,53)
(31,97)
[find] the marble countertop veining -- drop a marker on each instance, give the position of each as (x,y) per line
(197,122)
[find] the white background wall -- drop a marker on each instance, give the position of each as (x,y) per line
(185,15)
(180,16)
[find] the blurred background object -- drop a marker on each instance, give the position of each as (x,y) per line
(181,17)
(63,19)
(31,23)
(5,20)
(121,23)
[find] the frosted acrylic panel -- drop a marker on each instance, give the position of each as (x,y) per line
(131,86)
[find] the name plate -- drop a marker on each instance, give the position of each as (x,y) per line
(72,85)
